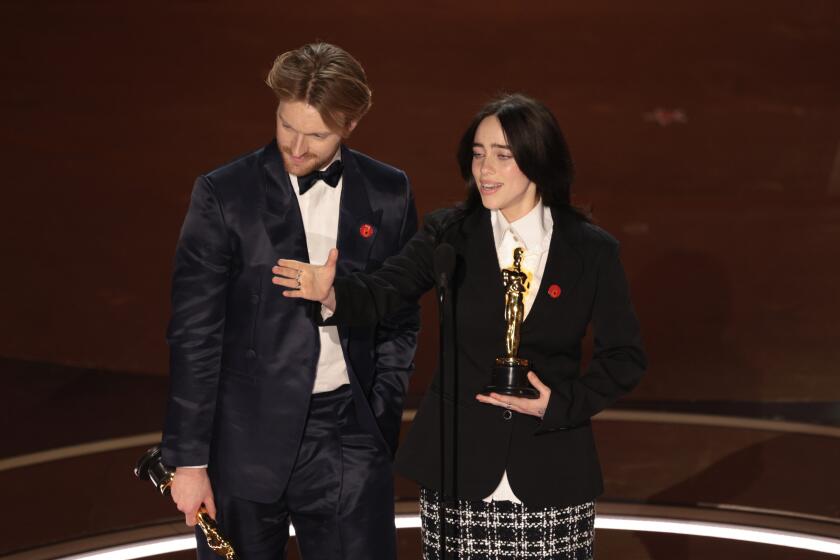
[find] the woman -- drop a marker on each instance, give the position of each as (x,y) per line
(526,472)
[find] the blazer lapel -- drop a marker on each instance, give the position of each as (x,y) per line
(279,208)
(358,224)
(481,291)
(563,268)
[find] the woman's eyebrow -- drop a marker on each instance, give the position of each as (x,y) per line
(494,145)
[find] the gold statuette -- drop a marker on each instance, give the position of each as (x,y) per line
(516,286)
(217,543)
(510,374)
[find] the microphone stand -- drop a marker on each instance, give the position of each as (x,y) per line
(444,266)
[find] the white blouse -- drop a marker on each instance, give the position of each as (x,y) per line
(532,232)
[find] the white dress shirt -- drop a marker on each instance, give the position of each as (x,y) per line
(532,232)
(319,208)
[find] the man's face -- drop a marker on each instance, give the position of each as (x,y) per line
(305,142)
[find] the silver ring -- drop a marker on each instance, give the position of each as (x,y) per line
(299,272)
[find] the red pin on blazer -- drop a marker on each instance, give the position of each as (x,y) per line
(554,291)
(366,230)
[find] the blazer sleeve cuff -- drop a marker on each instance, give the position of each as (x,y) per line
(326,318)
(556,413)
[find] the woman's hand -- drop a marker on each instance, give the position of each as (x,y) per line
(307,281)
(534,407)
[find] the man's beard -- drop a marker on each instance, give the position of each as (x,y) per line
(310,164)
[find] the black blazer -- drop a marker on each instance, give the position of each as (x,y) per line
(242,356)
(552,462)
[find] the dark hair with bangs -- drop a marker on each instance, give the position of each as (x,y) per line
(537,144)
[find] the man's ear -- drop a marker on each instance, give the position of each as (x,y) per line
(349,128)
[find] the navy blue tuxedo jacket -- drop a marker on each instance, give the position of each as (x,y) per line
(549,462)
(242,356)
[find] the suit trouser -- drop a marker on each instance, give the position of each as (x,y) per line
(339,497)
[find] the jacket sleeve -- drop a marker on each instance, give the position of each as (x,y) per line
(618,360)
(366,299)
(199,285)
(396,341)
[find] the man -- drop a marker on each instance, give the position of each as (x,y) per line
(272,418)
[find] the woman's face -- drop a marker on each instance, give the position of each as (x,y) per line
(500,182)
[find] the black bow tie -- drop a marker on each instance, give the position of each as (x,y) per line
(330,176)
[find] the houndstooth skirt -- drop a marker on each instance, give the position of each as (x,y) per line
(478,530)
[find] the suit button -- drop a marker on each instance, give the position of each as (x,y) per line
(251,354)
(507,414)
(255,298)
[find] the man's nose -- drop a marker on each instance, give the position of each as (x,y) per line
(299,145)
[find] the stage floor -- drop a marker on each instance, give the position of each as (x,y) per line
(73,437)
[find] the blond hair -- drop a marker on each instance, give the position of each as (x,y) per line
(326,77)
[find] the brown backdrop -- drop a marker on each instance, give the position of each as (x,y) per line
(729,216)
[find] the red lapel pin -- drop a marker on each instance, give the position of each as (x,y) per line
(366,230)
(554,291)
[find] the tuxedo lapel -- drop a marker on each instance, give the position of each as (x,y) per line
(280,210)
(358,224)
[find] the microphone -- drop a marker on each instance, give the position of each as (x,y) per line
(444,264)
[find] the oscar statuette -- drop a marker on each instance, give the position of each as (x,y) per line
(510,374)
(150,466)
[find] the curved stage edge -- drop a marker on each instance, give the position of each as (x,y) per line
(767,532)
(821,536)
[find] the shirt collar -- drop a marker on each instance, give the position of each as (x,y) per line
(532,229)
(336,157)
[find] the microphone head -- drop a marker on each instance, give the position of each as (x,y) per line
(444,261)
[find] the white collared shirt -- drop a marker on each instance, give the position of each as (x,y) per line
(532,232)
(319,208)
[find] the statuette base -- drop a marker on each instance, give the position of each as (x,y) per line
(509,377)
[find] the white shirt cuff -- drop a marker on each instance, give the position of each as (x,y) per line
(326,312)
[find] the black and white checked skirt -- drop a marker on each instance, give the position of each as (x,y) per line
(478,530)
